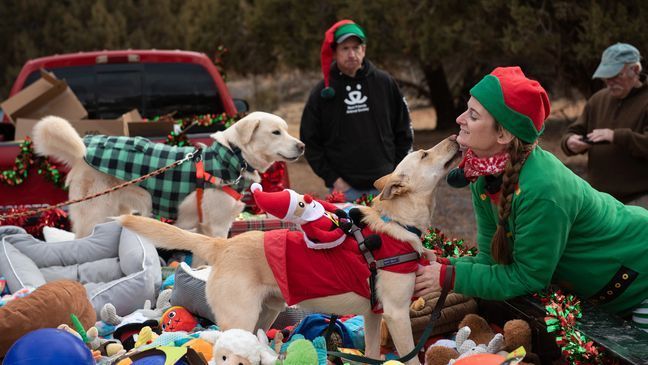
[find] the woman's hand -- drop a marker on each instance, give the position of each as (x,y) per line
(427,279)
(429,254)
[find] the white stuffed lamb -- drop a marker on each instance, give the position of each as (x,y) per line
(236,346)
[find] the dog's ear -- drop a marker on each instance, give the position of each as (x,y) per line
(394,187)
(381,182)
(246,128)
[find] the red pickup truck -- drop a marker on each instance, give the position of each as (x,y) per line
(111,83)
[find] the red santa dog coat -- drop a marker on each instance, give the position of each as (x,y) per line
(303,273)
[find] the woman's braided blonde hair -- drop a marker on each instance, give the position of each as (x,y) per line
(518,151)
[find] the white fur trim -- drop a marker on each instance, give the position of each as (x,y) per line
(256,187)
(294,198)
(323,245)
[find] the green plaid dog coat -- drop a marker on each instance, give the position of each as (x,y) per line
(128,158)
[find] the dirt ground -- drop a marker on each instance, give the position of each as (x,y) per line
(454,214)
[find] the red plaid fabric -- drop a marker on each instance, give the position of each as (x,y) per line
(266,224)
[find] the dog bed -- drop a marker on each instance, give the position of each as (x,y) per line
(114,265)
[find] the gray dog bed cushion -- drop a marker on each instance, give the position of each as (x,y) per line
(189,292)
(114,264)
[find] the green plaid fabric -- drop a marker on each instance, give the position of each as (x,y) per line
(128,158)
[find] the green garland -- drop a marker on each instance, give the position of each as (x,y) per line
(180,138)
(562,311)
(444,247)
(27,159)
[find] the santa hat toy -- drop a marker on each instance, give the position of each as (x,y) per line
(283,204)
(337,33)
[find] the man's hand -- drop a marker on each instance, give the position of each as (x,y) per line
(601,135)
(341,185)
(427,279)
(576,144)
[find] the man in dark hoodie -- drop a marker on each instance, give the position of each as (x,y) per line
(356,124)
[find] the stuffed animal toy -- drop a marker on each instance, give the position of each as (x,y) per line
(318,219)
(178,318)
(91,338)
(476,336)
(109,315)
(467,347)
(300,352)
(239,347)
(294,354)
(516,332)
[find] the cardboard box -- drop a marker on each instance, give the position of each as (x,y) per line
(111,127)
(137,126)
(47,96)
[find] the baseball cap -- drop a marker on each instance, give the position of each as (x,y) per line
(349,30)
(614,58)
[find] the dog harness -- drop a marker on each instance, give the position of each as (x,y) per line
(303,273)
(128,158)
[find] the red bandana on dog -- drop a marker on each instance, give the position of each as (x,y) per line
(475,167)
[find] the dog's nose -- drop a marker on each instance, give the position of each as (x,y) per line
(300,147)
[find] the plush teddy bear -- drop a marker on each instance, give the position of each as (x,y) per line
(467,347)
(476,336)
(318,219)
(516,332)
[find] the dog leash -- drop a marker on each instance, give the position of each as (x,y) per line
(188,156)
(434,317)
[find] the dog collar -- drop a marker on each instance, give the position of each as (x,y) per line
(239,154)
(412,229)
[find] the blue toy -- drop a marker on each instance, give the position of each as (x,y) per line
(49,346)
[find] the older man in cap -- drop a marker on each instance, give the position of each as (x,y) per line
(613,128)
(356,125)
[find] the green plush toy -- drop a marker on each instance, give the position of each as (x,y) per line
(300,352)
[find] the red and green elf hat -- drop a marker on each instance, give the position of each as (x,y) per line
(519,104)
(336,33)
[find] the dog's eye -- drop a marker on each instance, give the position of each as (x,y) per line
(276,133)
(224,358)
(301,204)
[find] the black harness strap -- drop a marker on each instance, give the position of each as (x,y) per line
(330,328)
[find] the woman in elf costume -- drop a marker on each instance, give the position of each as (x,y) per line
(537,222)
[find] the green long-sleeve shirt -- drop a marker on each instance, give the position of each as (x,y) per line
(562,230)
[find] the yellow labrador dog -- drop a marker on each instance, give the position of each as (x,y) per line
(255,142)
(243,293)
